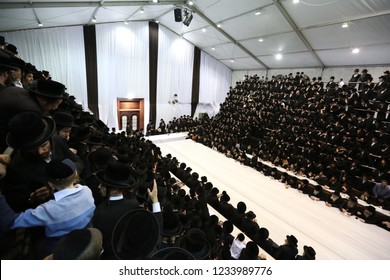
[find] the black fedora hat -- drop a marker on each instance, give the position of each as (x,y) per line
(195,242)
(100,157)
(64,119)
(309,252)
(116,175)
(172,225)
(79,244)
(292,240)
(29,130)
(50,88)
(5,60)
(172,253)
(135,235)
(12,48)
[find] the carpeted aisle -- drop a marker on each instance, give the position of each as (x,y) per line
(284,211)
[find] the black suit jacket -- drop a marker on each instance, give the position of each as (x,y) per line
(105,218)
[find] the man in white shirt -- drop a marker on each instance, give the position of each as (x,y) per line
(237,245)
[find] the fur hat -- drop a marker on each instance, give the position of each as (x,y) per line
(29,130)
(135,235)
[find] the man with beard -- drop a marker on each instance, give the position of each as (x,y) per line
(32,136)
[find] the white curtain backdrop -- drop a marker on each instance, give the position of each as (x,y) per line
(123,67)
(59,51)
(174,75)
(215,80)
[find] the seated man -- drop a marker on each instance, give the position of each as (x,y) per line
(288,250)
(350,207)
(381,190)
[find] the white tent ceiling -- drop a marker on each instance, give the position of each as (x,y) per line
(306,34)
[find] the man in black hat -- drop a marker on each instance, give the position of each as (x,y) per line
(6,66)
(308,254)
(113,181)
(28,76)
(2,42)
(288,250)
(354,79)
(47,96)
(25,184)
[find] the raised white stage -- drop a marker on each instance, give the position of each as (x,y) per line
(283,211)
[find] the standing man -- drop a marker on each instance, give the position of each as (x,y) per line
(47,96)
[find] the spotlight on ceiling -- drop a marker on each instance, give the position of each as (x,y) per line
(345,25)
(187,17)
(257,13)
(189,2)
(278,56)
(295,1)
(155,1)
(93,19)
(355,50)
(40,24)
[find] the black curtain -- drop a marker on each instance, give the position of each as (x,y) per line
(91,65)
(153,59)
(195,81)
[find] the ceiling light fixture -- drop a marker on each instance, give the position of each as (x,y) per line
(40,24)
(93,19)
(231,60)
(156,21)
(155,1)
(355,50)
(295,1)
(261,40)
(204,30)
(142,11)
(126,22)
(257,13)
(213,49)
(219,25)
(345,25)
(190,3)
(278,56)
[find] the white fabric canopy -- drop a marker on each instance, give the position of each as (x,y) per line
(174,75)
(213,85)
(123,66)
(283,211)
(58,50)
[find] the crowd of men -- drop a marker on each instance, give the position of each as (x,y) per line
(70,188)
(338,136)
